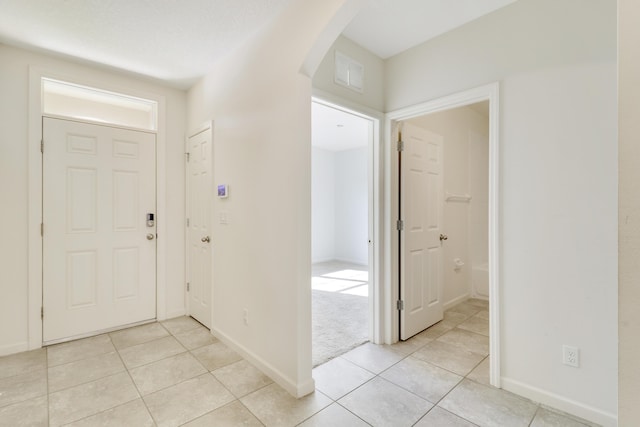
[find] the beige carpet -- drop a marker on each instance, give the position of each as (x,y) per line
(339,324)
(340,320)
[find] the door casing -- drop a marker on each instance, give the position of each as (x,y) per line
(375,184)
(489,92)
(34,296)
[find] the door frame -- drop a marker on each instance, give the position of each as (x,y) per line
(35,192)
(489,92)
(375,186)
(208,125)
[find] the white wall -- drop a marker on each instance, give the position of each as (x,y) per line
(323,205)
(352,206)
(556,63)
(372,95)
(261,105)
(14,80)
(629,212)
(455,126)
(339,205)
(479,190)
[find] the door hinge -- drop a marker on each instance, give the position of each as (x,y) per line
(188,156)
(41,229)
(400,225)
(188,286)
(42,145)
(400,145)
(188,222)
(41,312)
(400,305)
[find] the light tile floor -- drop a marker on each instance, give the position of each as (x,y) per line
(175,373)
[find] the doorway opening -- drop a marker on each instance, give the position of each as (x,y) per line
(342,210)
(445,177)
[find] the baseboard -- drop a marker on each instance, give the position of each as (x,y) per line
(589,413)
(296,390)
(172,314)
(352,261)
(5,350)
(462,298)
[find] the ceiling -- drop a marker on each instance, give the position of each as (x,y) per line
(174,41)
(179,41)
(336,130)
(388,27)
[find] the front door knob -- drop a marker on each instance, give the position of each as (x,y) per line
(443,237)
(205,239)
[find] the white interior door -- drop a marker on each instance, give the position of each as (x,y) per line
(420,240)
(199,202)
(99,255)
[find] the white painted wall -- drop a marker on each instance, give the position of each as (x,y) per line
(14,77)
(455,126)
(339,205)
(323,205)
(478,189)
(372,95)
(556,63)
(261,105)
(629,212)
(352,198)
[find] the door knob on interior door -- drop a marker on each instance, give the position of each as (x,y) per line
(443,237)
(150,236)
(205,239)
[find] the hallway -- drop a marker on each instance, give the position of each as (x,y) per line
(175,373)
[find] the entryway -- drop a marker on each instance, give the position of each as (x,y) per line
(342,208)
(99,252)
(93,209)
(445,177)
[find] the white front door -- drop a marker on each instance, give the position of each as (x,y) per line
(199,203)
(99,255)
(420,244)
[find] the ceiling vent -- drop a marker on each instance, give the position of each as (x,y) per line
(348,72)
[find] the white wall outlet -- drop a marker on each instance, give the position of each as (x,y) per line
(245,317)
(571,356)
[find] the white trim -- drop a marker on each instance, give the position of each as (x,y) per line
(36,74)
(377,247)
(292,387)
(604,418)
(462,298)
(14,348)
(489,92)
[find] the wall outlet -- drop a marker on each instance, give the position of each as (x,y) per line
(245,317)
(571,356)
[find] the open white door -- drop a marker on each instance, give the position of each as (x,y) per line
(99,252)
(420,237)
(199,203)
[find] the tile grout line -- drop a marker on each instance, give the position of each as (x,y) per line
(134,384)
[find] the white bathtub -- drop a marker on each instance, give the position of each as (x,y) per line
(480,280)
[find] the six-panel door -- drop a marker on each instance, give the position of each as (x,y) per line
(99,254)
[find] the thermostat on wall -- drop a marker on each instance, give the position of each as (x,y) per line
(223,191)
